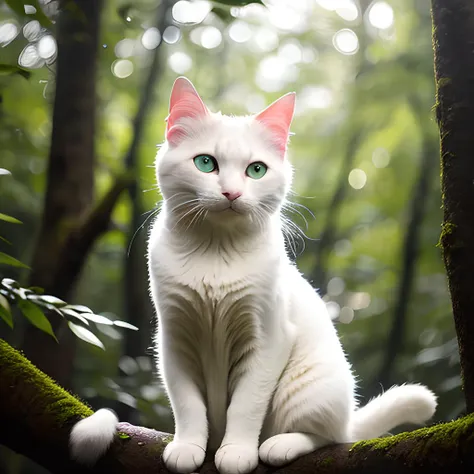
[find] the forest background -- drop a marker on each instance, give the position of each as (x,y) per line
(366,190)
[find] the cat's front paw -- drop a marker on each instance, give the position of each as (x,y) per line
(285,448)
(236,459)
(182,457)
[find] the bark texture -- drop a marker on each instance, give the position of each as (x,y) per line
(36,417)
(453,41)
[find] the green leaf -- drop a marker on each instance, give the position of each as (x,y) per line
(5,312)
(9,70)
(86,335)
(3,239)
(10,284)
(21,293)
(36,317)
(72,314)
(79,308)
(4,217)
(37,290)
(3,171)
(19,8)
(123,324)
(9,260)
(123,435)
(52,300)
(98,319)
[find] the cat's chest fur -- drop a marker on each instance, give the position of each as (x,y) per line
(214,304)
(213,273)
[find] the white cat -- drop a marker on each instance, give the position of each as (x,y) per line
(248,354)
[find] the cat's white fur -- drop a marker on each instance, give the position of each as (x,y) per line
(248,354)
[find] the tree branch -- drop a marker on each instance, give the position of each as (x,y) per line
(79,242)
(36,418)
(453,40)
(318,275)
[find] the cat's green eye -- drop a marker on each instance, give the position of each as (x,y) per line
(205,163)
(256,170)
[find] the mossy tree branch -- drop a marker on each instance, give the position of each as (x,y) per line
(453,42)
(36,417)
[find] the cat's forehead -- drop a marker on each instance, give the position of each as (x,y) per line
(234,137)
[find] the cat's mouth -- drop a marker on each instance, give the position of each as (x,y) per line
(231,209)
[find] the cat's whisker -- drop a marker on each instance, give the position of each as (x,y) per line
(187,213)
(195,219)
(297,204)
(296,211)
(151,213)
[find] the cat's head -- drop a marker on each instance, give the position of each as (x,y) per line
(224,169)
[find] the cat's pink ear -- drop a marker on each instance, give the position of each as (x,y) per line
(184,103)
(277,119)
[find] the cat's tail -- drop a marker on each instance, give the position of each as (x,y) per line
(91,437)
(414,404)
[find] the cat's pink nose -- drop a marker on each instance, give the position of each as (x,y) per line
(232,196)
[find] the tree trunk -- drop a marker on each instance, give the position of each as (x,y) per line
(37,416)
(70,178)
(453,41)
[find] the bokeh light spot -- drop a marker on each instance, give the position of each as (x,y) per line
(381,15)
(336,286)
(8,32)
(32,30)
(333,309)
(346,41)
(30,58)
(191,12)
(211,37)
(380,158)
(172,34)
(357,178)
(124,48)
(47,47)
(346,315)
(122,68)
(151,38)
(239,31)
(180,62)
(347,10)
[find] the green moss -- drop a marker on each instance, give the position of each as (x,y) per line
(425,442)
(443,81)
(447,229)
(327,461)
(38,389)
(167,439)
(123,435)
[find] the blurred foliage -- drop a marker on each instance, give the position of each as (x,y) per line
(363,75)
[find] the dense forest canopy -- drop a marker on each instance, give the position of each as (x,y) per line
(365,212)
